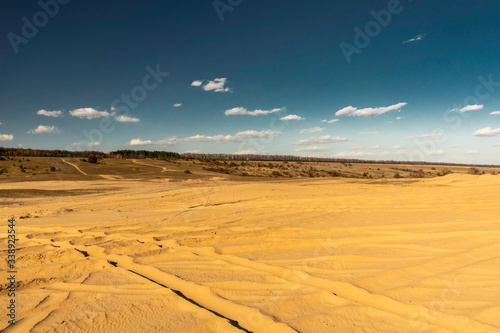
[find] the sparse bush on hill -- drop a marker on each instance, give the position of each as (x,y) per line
(397,175)
(418,174)
(444,172)
(53,168)
(187,171)
(473,171)
(92,159)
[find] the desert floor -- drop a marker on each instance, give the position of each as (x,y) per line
(303,255)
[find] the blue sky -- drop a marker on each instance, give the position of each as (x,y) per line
(402,80)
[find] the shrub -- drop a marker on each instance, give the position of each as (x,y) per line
(418,174)
(187,171)
(397,175)
(92,159)
(52,168)
(444,172)
(474,171)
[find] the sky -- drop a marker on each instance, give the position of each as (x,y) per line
(381,80)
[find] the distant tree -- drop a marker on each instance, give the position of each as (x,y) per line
(92,159)
(474,171)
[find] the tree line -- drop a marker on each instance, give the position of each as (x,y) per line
(142,154)
(20,152)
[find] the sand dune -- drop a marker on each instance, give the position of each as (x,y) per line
(297,256)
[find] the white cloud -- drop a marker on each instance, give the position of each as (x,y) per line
(414,39)
(398,118)
(353,154)
(437,152)
(176,105)
(497,144)
(238,137)
(49,113)
(487,131)
(251,152)
(357,147)
(192,152)
(166,142)
(44,129)
(329,121)
(239,111)
(20,145)
(6,137)
(320,140)
(139,142)
(369,112)
(376,147)
(471,108)
(126,119)
(472,152)
(95,143)
(312,148)
(163,143)
(89,113)
(368,133)
(495,113)
(426,137)
(292,117)
(398,147)
(311,130)
(217,85)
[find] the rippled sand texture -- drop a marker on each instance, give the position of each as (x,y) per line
(296,256)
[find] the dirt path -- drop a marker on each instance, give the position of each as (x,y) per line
(75,166)
(163,169)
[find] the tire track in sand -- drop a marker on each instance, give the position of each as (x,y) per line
(243,317)
(456,323)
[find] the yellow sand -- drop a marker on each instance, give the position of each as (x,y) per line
(292,256)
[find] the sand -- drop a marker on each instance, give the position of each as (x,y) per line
(307,255)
